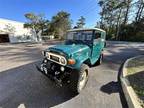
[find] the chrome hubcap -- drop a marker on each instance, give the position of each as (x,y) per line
(82,81)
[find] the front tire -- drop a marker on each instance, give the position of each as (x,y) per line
(79,79)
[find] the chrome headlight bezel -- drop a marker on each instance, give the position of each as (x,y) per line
(47,55)
(63,60)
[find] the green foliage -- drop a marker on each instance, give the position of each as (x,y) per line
(110,34)
(59,24)
(139,37)
(133,31)
(57,27)
(116,19)
(80,23)
(37,23)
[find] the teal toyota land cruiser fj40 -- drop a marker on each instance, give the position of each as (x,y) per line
(69,63)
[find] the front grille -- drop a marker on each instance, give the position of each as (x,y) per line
(54,58)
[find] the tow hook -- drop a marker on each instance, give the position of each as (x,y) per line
(58,82)
(57,72)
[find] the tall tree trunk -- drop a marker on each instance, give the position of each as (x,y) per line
(118,24)
(140,9)
(140,13)
(127,11)
(102,17)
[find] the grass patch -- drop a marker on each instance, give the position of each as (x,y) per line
(135,75)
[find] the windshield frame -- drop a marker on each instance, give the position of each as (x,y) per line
(73,41)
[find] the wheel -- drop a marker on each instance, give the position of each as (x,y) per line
(78,79)
(99,62)
(105,44)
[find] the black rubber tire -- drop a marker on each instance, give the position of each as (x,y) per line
(99,62)
(105,45)
(76,77)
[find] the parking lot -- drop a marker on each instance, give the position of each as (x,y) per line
(21,85)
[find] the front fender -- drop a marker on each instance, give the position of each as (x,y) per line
(79,61)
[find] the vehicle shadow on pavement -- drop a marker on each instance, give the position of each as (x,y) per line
(115,87)
(25,86)
(111,87)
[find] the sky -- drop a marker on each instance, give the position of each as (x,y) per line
(15,9)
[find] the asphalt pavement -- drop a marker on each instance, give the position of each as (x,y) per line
(22,86)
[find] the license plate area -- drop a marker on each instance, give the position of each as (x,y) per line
(54,58)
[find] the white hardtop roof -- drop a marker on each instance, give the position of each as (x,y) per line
(80,29)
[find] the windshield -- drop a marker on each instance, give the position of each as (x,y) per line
(79,37)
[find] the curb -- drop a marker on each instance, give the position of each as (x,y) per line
(130,95)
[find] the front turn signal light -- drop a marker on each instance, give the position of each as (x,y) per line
(71,61)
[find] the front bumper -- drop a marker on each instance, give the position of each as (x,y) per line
(51,77)
(58,80)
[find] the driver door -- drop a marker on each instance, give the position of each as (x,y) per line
(96,49)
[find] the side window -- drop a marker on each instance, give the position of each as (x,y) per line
(97,35)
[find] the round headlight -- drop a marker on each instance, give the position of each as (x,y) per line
(47,54)
(62,60)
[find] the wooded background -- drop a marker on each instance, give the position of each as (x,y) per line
(123,20)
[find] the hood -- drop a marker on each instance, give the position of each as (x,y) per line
(69,49)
